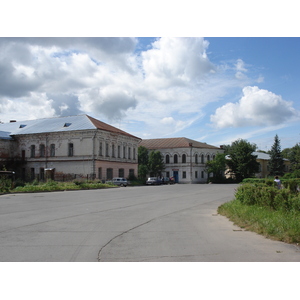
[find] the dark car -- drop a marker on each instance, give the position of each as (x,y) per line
(153,181)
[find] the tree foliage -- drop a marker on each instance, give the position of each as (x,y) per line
(156,163)
(293,155)
(241,160)
(217,166)
(276,163)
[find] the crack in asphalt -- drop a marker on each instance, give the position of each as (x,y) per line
(140,225)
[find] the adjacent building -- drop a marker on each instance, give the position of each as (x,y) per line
(184,158)
(68,147)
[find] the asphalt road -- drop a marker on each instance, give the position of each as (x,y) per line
(153,223)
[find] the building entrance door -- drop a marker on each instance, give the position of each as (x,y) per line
(175,175)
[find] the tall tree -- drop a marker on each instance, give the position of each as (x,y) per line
(217,166)
(156,163)
(276,163)
(241,160)
(294,157)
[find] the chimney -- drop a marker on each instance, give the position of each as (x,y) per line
(12,121)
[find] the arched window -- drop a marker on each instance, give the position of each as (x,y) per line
(175,159)
(196,158)
(167,159)
(183,158)
(202,159)
(208,157)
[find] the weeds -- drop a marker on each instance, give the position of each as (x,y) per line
(262,208)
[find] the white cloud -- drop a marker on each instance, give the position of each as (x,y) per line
(257,107)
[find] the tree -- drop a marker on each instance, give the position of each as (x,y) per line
(276,163)
(156,163)
(143,161)
(241,160)
(294,157)
(217,166)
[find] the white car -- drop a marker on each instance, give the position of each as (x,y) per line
(120,181)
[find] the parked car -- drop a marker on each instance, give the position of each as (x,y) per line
(153,181)
(120,181)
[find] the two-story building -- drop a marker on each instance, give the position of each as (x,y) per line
(65,147)
(184,158)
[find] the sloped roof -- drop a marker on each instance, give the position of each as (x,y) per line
(167,143)
(59,124)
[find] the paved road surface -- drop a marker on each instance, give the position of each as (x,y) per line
(151,223)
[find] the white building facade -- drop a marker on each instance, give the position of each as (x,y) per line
(184,158)
(68,147)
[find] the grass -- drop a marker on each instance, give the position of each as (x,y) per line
(51,186)
(275,224)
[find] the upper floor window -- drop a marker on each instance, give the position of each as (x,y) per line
(175,159)
(106,150)
(196,158)
(70,149)
(32,151)
(208,158)
(124,152)
(129,153)
(167,159)
(119,151)
(134,153)
(52,150)
(42,150)
(202,159)
(113,150)
(100,149)
(183,158)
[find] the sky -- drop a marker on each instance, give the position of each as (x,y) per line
(213,90)
(214,77)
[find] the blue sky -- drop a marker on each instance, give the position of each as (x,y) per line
(213,90)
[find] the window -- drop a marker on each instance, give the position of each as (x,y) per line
(32,151)
(42,150)
(167,160)
(196,174)
(134,154)
(99,173)
(202,159)
(131,173)
(109,174)
(106,150)
(202,174)
(183,158)
(42,174)
(32,174)
(175,159)
(70,149)
(124,150)
(167,174)
(129,153)
(119,151)
(121,173)
(184,174)
(208,158)
(113,150)
(23,154)
(52,150)
(196,158)
(100,149)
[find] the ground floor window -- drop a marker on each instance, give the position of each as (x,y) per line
(32,174)
(42,174)
(109,174)
(99,173)
(121,173)
(196,174)
(131,173)
(184,174)
(202,174)
(167,174)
